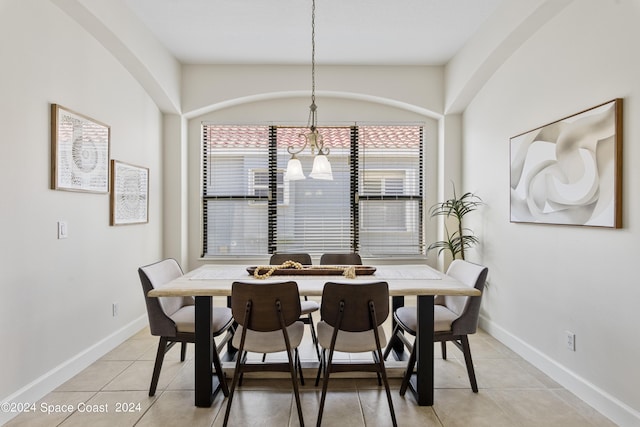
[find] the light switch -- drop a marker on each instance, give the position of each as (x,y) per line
(63,230)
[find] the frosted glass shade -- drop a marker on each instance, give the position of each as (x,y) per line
(321,168)
(294,170)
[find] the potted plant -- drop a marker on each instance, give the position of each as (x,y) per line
(456,208)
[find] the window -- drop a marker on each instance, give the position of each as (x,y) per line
(390,187)
(385,183)
(373,205)
(259,185)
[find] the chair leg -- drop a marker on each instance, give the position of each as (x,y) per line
(294,381)
(314,337)
(162,348)
(383,373)
(219,373)
(407,376)
(389,347)
(244,360)
(298,365)
(320,366)
(183,351)
(443,345)
(466,350)
(325,384)
(236,378)
(375,359)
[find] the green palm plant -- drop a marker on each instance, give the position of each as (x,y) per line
(462,238)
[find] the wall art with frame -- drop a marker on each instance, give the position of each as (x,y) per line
(129,194)
(570,171)
(79,152)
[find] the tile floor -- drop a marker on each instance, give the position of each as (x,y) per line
(512,393)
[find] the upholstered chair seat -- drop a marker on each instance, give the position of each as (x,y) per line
(269,342)
(184,318)
(350,342)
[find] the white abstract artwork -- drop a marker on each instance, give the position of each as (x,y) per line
(569,172)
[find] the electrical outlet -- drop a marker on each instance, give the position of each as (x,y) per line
(570,340)
(115,309)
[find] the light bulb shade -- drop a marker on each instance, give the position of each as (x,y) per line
(321,168)
(294,170)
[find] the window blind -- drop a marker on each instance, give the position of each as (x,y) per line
(390,190)
(317,216)
(235,190)
(373,205)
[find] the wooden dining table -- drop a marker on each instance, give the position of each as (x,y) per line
(420,280)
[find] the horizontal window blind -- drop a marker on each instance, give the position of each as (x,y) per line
(235,186)
(372,206)
(317,218)
(390,190)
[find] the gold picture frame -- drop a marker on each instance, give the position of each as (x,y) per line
(129,194)
(79,152)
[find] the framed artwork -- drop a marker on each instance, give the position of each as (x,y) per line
(570,171)
(79,152)
(129,194)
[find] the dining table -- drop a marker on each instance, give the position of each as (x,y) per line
(419,280)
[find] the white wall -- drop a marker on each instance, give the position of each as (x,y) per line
(223,85)
(281,94)
(55,308)
(545,280)
(122,33)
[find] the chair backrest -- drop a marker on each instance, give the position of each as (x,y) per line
(264,297)
(279,258)
(341,259)
(468,308)
(159,309)
(356,298)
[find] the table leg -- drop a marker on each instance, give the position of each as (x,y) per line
(422,383)
(206,384)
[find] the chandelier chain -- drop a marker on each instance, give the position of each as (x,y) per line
(312,138)
(313,65)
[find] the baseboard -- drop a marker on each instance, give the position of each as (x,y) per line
(603,402)
(51,380)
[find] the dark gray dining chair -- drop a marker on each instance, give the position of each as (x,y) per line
(173,319)
(455,318)
(268,321)
(352,318)
(280,257)
(307,307)
(341,259)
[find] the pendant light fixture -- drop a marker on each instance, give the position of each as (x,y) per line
(321,166)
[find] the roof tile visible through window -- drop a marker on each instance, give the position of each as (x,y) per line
(221,136)
(225,136)
(390,136)
(333,137)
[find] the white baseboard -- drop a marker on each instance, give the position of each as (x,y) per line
(51,380)
(603,402)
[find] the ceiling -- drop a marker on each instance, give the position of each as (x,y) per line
(353,32)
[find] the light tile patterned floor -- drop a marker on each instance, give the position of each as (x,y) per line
(512,393)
